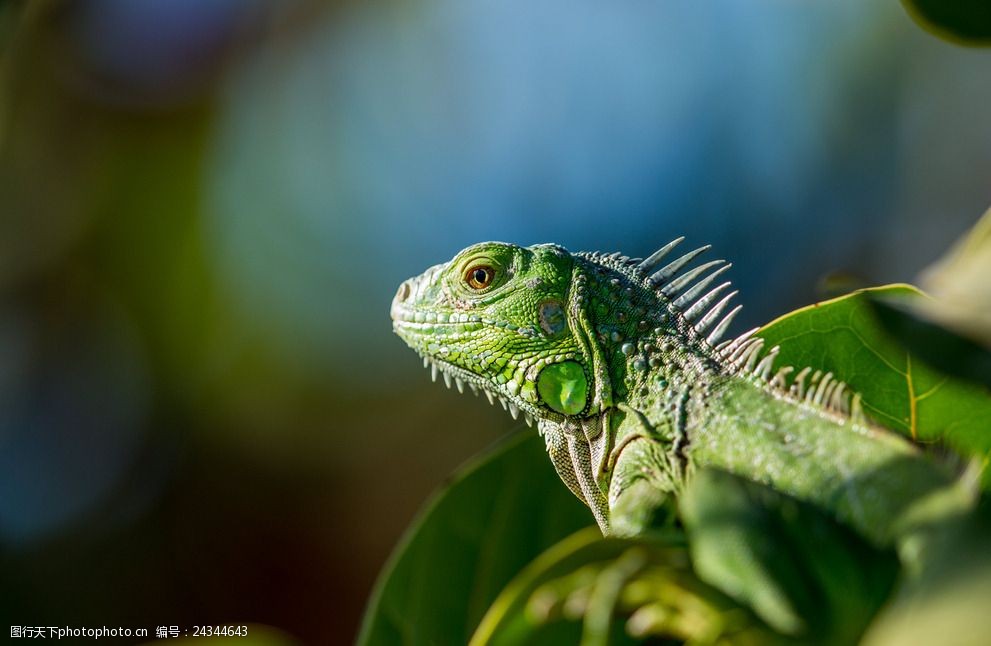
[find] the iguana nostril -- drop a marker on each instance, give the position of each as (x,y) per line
(403,292)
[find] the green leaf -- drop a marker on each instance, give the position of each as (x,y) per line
(966,22)
(959,286)
(948,602)
(596,591)
(944,350)
(899,392)
(497,514)
(800,570)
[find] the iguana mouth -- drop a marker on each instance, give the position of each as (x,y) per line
(459,378)
(412,322)
(412,317)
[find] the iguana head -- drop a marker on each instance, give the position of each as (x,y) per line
(496,318)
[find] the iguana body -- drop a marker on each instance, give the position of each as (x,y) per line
(620,362)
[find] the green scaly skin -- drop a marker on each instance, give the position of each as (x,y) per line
(610,356)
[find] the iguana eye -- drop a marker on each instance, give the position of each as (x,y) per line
(479,276)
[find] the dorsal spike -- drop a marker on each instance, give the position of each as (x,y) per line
(820,393)
(763,369)
(827,394)
(735,344)
(724,324)
(686,279)
(734,352)
(839,401)
(746,360)
(810,392)
(749,358)
(653,259)
(814,388)
(700,305)
(857,411)
(797,388)
(779,379)
(688,299)
(742,355)
(672,268)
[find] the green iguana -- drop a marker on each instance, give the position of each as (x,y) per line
(622,364)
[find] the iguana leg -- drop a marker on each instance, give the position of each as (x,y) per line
(644,474)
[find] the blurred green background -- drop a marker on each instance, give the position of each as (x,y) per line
(205,208)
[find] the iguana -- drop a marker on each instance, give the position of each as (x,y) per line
(622,363)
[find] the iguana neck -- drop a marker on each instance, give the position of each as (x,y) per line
(640,344)
(642,354)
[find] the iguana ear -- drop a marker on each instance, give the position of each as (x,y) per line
(584,333)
